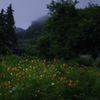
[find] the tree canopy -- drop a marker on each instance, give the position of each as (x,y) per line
(70,31)
(7,30)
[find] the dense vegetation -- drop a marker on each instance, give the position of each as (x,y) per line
(29,78)
(68,32)
(51,65)
(7,30)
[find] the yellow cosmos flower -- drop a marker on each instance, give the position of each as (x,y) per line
(52,83)
(10,91)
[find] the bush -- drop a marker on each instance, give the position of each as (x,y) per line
(97,62)
(87,61)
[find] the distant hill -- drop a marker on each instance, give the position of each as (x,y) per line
(19,33)
(35,29)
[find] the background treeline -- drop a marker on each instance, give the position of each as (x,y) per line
(7,31)
(65,34)
(68,32)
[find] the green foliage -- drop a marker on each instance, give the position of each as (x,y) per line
(86,61)
(70,31)
(4,50)
(35,79)
(35,29)
(20,33)
(59,34)
(27,47)
(97,62)
(7,30)
(10,26)
(88,39)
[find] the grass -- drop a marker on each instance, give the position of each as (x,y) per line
(35,79)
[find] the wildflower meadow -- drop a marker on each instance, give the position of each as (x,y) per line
(27,78)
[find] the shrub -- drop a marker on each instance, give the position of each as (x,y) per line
(87,61)
(97,62)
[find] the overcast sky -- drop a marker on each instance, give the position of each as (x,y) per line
(26,11)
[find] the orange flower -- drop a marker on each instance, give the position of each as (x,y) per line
(69,84)
(22,84)
(43,64)
(36,76)
(68,72)
(18,79)
(16,74)
(66,81)
(8,68)
(61,78)
(59,95)
(59,72)
(52,65)
(23,69)
(74,95)
(60,65)
(36,66)
(9,86)
(23,73)
(50,76)
(44,68)
(28,86)
(36,95)
(64,64)
(74,84)
(5,94)
(38,91)
(70,81)
(54,75)
(31,67)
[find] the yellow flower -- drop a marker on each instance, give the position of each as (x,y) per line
(41,75)
(64,64)
(18,63)
(26,60)
(0,93)
(8,82)
(10,73)
(26,69)
(10,91)
(52,83)
(77,80)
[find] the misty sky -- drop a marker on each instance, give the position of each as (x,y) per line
(26,11)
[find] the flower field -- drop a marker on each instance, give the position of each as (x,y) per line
(35,79)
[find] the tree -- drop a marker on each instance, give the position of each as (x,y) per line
(89,26)
(2,25)
(7,31)
(10,26)
(60,29)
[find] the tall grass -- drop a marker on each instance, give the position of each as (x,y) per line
(35,79)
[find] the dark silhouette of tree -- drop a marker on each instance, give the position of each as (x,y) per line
(7,30)
(10,26)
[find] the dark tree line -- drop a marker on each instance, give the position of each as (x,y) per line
(7,30)
(67,33)
(70,31)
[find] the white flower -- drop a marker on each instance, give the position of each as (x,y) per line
(13,88)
